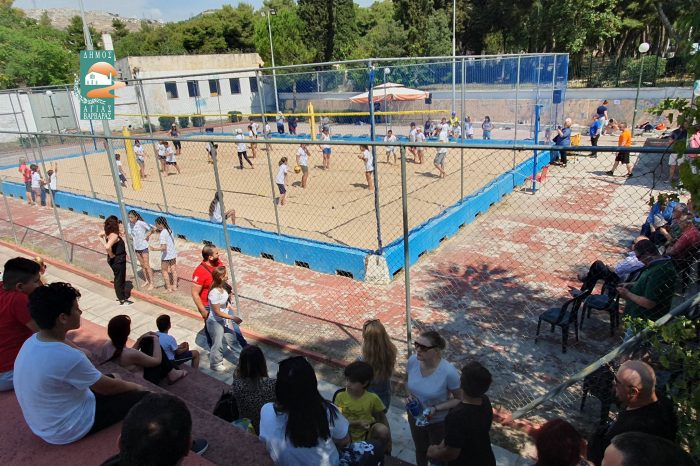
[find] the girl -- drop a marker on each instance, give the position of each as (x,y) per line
(138,229)
(168,258)
(252,134)
(217,320)
(390,150)
(281,179)
(420,150)
(37,183)
(487,127)
(174,133)
(326,149)
(368,160)
(42,269)
(379,352)
(50,187)
(138,150)
(242,147)
(161,155)
(303,162)
(116,256)
(251,385)
(170,158)
(215,211)
(469,128)
(120,170)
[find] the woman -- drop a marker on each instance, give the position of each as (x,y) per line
(138,229)
(300,427)
(116,256)
(42,269)
(218,319)
(379,352)
(146,353)
(251,385)
(559,444)
(487,127)
(434,382)
(215,211)
(174,133)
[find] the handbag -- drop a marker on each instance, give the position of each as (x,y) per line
(227,407)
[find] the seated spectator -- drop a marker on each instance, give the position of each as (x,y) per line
(640,449)
(251,385)
(42,268)
(643,411)
(62,396)
(146,354)
(558,443)
(687,241)
(599,271)
(662,207)
(20,277)
(363,409)
(157,431)
(467,440)
(177,354)
(650,296)
(673,231)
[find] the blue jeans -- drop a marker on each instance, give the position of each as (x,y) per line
(6,381)
(219,340)
(239,336)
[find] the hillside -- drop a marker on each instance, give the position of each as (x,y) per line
(100,20)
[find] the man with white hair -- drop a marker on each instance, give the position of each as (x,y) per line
(563,138)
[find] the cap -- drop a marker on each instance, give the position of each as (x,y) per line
(454,113)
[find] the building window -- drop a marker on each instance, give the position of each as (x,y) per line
(253,84)
(214,87)
(193,88)
(235,84)
(171,90)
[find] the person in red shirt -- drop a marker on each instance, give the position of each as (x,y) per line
(20,277)
(690,238)
(27,177)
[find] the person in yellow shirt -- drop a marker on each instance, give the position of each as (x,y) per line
(364,410)
(624,140)
(454,120)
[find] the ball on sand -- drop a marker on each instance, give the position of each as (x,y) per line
(297,169)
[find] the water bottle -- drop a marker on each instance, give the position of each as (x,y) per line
(424,418)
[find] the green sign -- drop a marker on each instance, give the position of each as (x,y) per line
(98,80)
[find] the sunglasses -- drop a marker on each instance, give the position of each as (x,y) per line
(364,326)
(420,347)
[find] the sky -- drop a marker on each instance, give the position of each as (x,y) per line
(164,10)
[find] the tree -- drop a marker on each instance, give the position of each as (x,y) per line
(75,39)
(288,36)
(119,30)
(44,20)
(380,34)
(330,26)
(412,16)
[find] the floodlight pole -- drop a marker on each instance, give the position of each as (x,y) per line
(643,48)
(454,53)
(370,99)
(272,12)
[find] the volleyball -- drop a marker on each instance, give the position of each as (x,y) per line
(297,169)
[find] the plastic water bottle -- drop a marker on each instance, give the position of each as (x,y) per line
(424,418)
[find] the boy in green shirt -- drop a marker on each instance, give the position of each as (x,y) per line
(364,410)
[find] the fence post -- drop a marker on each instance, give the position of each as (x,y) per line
(517,109)
(55,210)
(267,151)
(461,133)
(7,207)
(538,107)
(82,142)
(370,99)
(406,255)
(153,143)
(224,221)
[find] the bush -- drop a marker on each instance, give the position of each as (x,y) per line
(235,116)
(198,121)
(149,127)
(30,141)
(183,121)
(166,122)
(631,68)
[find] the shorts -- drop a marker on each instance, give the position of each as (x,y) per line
(169,261)
(369,171)
(623,157)
(177,144)
(140,161)
(122,178)
(28,185)
(326,151)
(282,188)
(183,358)
(304,169)
(390,151)
(440,158)
(141,252)
(675,159)
(161,157)
(171,163)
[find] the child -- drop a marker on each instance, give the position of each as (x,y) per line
(170,159)
(27,177)
(52,184)
(242,148)
(364,410)
(139,230)
(439,160)
(303,162)
(178,354)
(215,211)
(368,159)
(412,138)
(120,170)
(326,149)
(267,130)
(168,258)
(161,155)
(420,150)
(390,150)
(36,184)
(469,128)
(281,179)
(457,132)
(42,269)
(252,134)
(211,151)
(138,150)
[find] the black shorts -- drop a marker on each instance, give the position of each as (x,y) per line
(177,145)
(282,188)
(171,163)
(623,157)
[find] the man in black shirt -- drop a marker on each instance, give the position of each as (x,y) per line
(467,426)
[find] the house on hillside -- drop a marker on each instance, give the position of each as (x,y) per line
(94,78)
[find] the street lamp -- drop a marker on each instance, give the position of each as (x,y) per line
(55,117)
(643,48)
(268,13)
(386,121)
(454,52)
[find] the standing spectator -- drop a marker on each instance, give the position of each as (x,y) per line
(174,133)
(640,449)
(467,426)
(487,127)
(457,132)
(442,131)
(280,122)
(368,160)
(201,283)
(678,134)
(594,132)
(469,128)
(624,140)
(292,123)
(558,443)
(602,112)
(138,229)
(27,178)
(562,139)
(253,147)
(62,396)
(50,186)
(168,257)
(303,162)
(643,411)
(420,150)
(380,353)
(116,257)
(412,138)
(267,131)
(37,183)
(454,120)
(241,147)
(326,148)
(19,279)
(390,150)
(120,169)
(140,159)
(434,382)
(216,215)
(176,353)
(216,321)
(281,179)
(251,386)
(428,127)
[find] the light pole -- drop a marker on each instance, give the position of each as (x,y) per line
(643,48)
(268,13)
(55,117)
(386,121)
(454,52)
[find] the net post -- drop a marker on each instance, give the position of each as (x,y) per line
(538,108)
(461,133)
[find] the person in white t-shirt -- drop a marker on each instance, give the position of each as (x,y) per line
(168,257)
(303,163)
(281,179)
(215,213)
(326,148)
(368,160)
(439,161)
(267,130)
(138,229)
(390,150)
(178,354)
(420,150)
(52,184)
(469,127)
(253,134)
(160,149)
(170,159)
(120,169)
(457,132)
(62,396)
(242,148)
(211,149)
(140,159)
(301,428)
(219,318)
(412,138)
(37,183)
(443,129)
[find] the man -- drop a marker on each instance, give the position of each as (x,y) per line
(62,396)
(624,140)
(454,121)
(640,449)
(643,411)
(20,277)
(599,271)
(563,138)
(280,123)
(688,240)
(292,123)
(650,296)
(157,431)
(602,112)
(594,132)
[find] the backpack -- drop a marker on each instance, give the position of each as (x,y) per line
(227,407)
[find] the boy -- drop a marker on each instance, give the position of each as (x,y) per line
(467,425)
(390,150)
(178,354)
(242,148)
(303,163)
(364,410)
(120,170)
(412,138)
(420,150)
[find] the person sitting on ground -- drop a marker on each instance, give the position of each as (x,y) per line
(364,410)
(467,426)
(640,449)
(62,396)
(663,208)
(669,233)
(146,354)
(687,241)
(178,354)
(558,443)
(613,275)
(20,278)
(157,431)
(644,411)
(251,385)
(42,268)
(217,215)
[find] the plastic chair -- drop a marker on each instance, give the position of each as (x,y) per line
(608,300)
(541,176)
(563,317)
